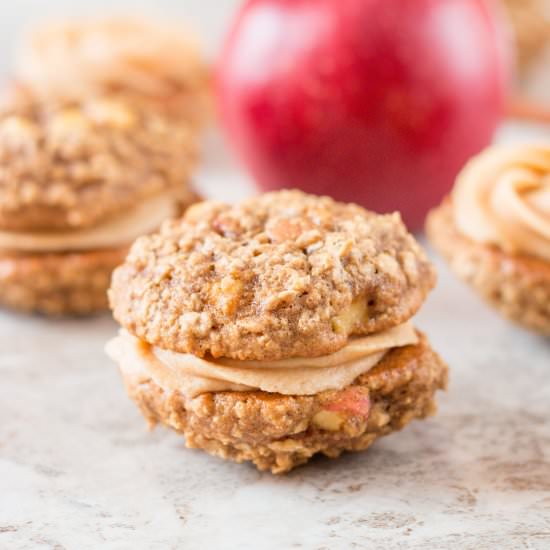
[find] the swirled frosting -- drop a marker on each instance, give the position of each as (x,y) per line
(191,375)
(502,197)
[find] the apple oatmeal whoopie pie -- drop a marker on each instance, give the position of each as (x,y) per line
(276,329)
(79,183)
(156,64)
(494,230)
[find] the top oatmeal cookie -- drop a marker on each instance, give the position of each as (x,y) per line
(71,165)
(281,275)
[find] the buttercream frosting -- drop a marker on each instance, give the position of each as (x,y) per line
(192,375)
(502,197)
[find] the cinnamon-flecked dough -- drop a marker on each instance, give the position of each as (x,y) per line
(280,275)
(517,285)
(278,432)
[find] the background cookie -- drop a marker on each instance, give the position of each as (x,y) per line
(57,284)
(70,165)
(152,63)
(517,285)
(78,183)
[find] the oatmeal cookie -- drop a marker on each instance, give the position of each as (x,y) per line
(281,275)
(72,165)
(517,285)
(58,284)
(154,64)
(278,432)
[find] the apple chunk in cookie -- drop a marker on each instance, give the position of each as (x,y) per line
(276,329)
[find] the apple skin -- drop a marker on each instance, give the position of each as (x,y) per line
(379,102)
(353,401)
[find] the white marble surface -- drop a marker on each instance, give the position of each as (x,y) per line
(78,469)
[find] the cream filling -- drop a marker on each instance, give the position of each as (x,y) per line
(118,231)
(502,197)
(193,375)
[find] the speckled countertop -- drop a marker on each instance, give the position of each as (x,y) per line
(79,470)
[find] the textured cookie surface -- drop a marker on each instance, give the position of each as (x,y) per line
(278,432)
(58,284)
(280,275)
(518,286)
(69,166)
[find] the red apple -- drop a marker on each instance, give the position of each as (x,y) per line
(379,102)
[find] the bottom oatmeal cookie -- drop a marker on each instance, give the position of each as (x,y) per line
(278,432)
(58,284)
